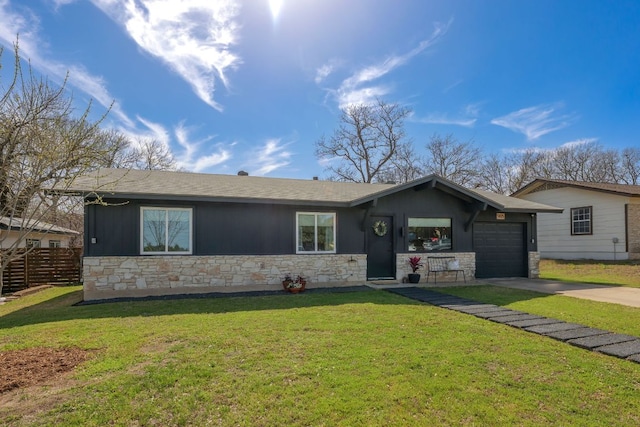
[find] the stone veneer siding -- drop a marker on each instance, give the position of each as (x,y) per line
(633,230)
(467,262)
(534,265)
(124,276)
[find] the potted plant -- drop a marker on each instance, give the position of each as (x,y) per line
(294,285)
(414,263)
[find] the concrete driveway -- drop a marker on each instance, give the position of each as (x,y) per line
(613,294)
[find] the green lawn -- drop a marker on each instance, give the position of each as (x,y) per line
(366,358)
(617,273)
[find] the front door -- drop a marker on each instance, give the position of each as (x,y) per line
(380,257)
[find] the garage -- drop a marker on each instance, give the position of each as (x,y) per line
(501,249)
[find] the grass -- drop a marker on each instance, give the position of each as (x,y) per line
(619,273)
(364,358)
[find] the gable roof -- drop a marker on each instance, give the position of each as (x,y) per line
(36,226)
(169,185)
(541,184)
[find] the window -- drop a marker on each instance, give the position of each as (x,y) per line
(166,230)
(581,220)
(55,244)
(316,232)
(32,243)
(429,234)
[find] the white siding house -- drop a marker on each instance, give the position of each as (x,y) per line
(41,235)
(600,221)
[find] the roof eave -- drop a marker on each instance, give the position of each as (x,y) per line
(432,181)
(193,198)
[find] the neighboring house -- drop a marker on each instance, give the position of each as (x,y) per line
(38,234)
(600,221)
(159,232)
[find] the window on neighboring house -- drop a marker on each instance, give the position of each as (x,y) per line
(33,243)
(581,220)
(166,230)
(55,244)
(316,232)
(429,234)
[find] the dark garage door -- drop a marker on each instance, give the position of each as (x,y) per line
(500,249)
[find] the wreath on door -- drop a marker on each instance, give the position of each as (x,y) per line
(380,228)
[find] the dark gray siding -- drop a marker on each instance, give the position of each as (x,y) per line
(263,229)
(431,203)
(219,228)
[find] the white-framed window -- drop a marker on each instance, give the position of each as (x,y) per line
(315,232)
(33,243)
(428,234)
(166,231)
(55,244)
(581,220)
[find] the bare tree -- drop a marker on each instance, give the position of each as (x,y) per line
(42,144)
(494,174)
(457,161)
(365,143)
(151,154)
(630,166)
(403,167)
(506,173)
(139,153)
(587,162)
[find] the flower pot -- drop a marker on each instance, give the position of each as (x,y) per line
(414,278)
(286,284)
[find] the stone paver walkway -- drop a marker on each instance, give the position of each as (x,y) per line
(618,345)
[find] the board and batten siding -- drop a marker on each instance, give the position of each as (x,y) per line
(555,240)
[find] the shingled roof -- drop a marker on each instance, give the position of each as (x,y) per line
(33,225)
(169,185)
(545,184)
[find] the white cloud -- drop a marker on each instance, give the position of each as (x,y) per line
(194,156)
(190,149)
(271,156)
(443,119)
(27,25)
(467,117)
(326,70)
(360,88)
(535,121)
(578,142)
(155,131)
(193,38)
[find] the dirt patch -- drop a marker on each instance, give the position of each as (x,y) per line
(32,366)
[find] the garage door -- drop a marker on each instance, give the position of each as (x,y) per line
(500,249)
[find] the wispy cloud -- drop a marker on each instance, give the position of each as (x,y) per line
(361,86)
(443,119)
(187,159)
(578,142)
(536,121)
(326,70)
(195,156)
(271,156)
(467,117)
(27,25)
(193,38)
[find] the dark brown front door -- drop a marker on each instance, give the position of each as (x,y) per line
(380,256)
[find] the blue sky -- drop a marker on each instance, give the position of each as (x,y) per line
(251,85)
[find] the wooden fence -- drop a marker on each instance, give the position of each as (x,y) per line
(43,266)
